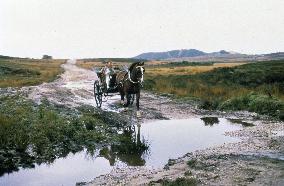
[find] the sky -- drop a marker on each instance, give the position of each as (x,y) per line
(126,28)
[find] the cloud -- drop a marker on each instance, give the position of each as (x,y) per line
(111,28)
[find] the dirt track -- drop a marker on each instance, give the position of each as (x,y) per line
(256,160)
(72,89)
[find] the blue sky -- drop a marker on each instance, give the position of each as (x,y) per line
(125,28)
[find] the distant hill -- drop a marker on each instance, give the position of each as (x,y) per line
(10,57)
(130,60)
(6,57)
(279,55)
(171,54)
(197,55)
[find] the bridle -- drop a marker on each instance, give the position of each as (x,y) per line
(139,81)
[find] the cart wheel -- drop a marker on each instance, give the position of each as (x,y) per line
(98,93)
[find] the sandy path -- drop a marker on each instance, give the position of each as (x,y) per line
(72,89)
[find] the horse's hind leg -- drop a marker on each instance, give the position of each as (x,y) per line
(132,99)
(128,100)
(122,97)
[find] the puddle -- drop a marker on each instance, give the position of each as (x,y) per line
(64,171)
(150,144)
(174,138)
(239,121)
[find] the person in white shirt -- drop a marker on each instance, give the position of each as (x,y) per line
(108,71)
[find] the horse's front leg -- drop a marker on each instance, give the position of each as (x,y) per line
(137,104)
(137,100)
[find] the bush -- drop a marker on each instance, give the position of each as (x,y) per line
(258,103)
(180,182)
(209,104)
(149,84)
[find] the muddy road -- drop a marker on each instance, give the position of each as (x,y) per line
(256,158)
(75,88)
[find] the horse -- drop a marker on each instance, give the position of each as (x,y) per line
(130,83)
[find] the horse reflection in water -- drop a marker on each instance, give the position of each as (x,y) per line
(130,148)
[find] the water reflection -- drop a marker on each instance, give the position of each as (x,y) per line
(129,149)
(165,139)
(210,121)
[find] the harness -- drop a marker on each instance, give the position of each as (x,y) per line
(135,82)
(129,77)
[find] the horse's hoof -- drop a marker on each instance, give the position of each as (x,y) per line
(138,113)
(125,109)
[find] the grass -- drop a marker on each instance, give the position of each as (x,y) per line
(98,64)
(101,62)
(16,72)
(257,87)
(33,134)
(192,163)
(176,182)
(186,68)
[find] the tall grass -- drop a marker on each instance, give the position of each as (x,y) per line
(185,69)
(266,79)
(35,134)
(25,72)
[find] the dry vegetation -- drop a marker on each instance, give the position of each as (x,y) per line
(26,72)
(98,63)
(159,67)
(185,87)
(256,87)
(186,70)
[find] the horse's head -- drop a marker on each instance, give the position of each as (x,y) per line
(137,71)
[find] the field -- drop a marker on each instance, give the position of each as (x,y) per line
(16,72)
(100,62)
(257,87)
(184,68)
(117,62)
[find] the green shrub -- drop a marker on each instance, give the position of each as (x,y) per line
(149,84)
(180,182)
(31,133)
(229,88)
(258,103)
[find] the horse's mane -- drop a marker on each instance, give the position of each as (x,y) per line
(133,65)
